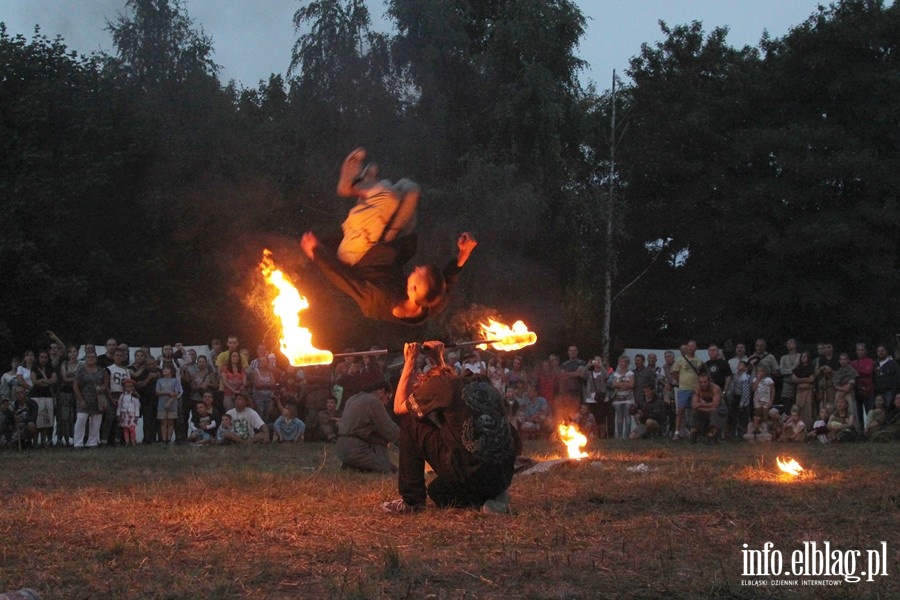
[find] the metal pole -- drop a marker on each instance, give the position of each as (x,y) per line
(386,351)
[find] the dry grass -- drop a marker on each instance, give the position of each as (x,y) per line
(286,522)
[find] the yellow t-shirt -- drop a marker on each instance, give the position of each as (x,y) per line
(687,377)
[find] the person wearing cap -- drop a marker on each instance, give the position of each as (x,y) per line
(127,412)
(457,426)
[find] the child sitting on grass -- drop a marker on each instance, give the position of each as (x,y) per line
(227,426)
(875,418)
(288,428)
(757,430)
(793,429)
(819,429)
(202,426)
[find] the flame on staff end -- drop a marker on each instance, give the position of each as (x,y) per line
(296,341)
(789,466)
(573,439)
(506,338)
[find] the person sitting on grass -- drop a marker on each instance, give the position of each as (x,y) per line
(366,430)
(649,413)
(249,428)
(757,429)
(875,418)
(585,421)
(287,427)
(460,430)
(793,429)
(202,425)
(534,414)
(706,409)
(328,421)
(226,428)
(819,431)
(842,424)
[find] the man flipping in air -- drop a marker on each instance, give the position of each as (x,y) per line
(377,244)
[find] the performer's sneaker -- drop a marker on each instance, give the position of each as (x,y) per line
(498,505)
(399,507)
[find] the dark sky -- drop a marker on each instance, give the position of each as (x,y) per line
(253,38)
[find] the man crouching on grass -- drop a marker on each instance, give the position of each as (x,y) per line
(460,428)
(248,426)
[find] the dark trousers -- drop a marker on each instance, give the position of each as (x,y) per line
(460,481)
(150,424)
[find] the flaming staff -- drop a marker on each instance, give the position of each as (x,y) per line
(296,341)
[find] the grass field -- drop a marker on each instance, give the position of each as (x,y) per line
(286,522)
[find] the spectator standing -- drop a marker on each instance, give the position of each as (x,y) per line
(786,367)
(621,384)
(168,392)
(887,374)
(865,384)
(826,365)
(803,378)
(232,379)
(9,380)
(263,380)
(115,374)
(572,375)
(65,400)
(844,382)
(740,355)
(719,370)
(90,400)
(104,360)
(596,400)
(44,378)
(688,369)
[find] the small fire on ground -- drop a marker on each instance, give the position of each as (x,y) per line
(789,466)
(296,341)
(574,440)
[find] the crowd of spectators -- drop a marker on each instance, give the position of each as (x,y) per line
(73,396)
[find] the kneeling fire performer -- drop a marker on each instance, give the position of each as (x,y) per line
(460,428)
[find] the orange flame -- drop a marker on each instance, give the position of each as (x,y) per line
(505,337)
(296,341)
(573,439)
(789,466)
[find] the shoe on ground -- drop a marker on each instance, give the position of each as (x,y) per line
(498,505)
(399,507)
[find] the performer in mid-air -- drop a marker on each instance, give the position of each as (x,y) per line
(378,241)
(379,286)
(384,211)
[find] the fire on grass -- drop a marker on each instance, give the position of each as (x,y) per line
(784,470)
(296,341)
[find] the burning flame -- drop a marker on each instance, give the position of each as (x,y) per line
(790,466)
(573,439)
(505,337)
(296,341)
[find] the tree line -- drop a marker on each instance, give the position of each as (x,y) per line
(744,192)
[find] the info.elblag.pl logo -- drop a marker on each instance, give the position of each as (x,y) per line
(816,560)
